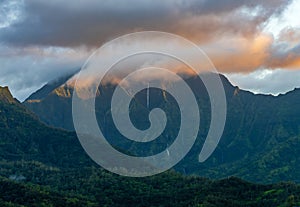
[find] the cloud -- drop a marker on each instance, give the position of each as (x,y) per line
(92,22)
(26,70)
(267,81)
(240,54)
(40,40)
(290,34)
(263,51)
(284,57)
(286,53)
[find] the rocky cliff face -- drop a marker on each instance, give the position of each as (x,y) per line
(5,95)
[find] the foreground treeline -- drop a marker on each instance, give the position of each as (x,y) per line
(35,184)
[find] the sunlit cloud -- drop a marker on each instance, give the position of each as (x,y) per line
(40,40)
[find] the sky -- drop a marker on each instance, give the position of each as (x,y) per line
(255,43)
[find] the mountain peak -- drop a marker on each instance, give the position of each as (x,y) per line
(5,95)
(50,87)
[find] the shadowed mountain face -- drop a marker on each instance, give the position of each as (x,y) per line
(23,136)
(260,141)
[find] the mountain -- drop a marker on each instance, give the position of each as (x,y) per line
(46,92)
(48,95)
(6,96)
(44,166)
(23,136)
(58,110)
(49,87)
(259,143)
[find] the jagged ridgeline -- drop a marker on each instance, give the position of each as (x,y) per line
(260,141)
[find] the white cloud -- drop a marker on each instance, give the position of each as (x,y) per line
(289,18)
(26,70)
(10,12)
(267,81)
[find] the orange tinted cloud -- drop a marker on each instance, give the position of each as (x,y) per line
(241,54)
(249,54)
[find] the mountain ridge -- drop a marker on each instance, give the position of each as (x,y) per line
(49,87)
(5,95)
(255,125)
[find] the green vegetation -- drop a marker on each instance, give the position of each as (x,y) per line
(260,143)
(44,166)
(91,186)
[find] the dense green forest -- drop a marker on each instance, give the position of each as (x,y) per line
(91,186)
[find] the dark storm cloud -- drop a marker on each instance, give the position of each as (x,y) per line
(91,22)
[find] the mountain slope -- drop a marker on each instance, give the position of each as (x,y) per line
(256,126)
(24,137)
(49,87)
(43,166)
(5,95)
